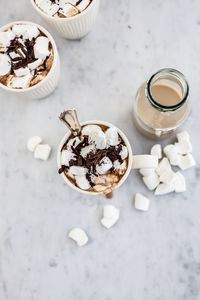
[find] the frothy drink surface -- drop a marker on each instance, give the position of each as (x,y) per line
(96,160)
(165,95)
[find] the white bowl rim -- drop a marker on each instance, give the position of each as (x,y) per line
(126,141)
(67,19)
(55,52)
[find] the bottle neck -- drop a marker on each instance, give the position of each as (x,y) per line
(174,80)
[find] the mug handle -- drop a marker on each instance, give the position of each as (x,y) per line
(144,161)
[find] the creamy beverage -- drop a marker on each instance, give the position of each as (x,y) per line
(162,103)
(96,159)
(165,94)
(26,56)
(63,8)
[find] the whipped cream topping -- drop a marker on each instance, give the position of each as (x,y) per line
(26,56)
(96,160)
(62,8)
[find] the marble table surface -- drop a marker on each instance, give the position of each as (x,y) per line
(146,256)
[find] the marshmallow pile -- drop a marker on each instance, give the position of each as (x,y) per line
(26,56)
(110,217)
(162,178)
(96,160)
(62,8)
(41,151)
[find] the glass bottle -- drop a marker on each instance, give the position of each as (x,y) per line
(155,118)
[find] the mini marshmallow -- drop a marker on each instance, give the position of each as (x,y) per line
(171,153)
(83,4)
(183,147)
(5,38)
(78,171)
(14,55)
(124,152)
(110,216)
(104,166)
(164,188)
(99,139)
(5,64)
(182,136)
(54,9)
(82,182)
(22,72)
(187,161)
(141,202)
(87,149)
(179,183)
(151,181)
(79,236)
(27,31)
(121,168)
(66,156)
(167,177)
(41,47)
(73,142)
(146,172)
(145,161)
(42,151)
(33,142)
(35,64)
(21,82)
(90,129)
(163,166)
(112,137)
(157,151)
(69,10)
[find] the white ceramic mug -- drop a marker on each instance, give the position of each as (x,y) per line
(49,83)
(74,27)
(130,157)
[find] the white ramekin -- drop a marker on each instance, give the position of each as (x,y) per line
(130,157)
(49,83)
(75,27)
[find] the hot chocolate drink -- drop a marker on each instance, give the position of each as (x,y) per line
(62,8)
(96,160)
(26,56)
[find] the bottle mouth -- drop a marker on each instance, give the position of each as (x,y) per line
(171,75)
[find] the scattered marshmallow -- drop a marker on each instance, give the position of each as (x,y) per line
(163,166)
(146,172)
(110,216)
(182,136)
(186,161)
(183,147)
(78,171)
(167,177)
(151,181)
(112,137)
(33,142)
(5,64)
(179,184)
(66,156)
(79,236)
(141,202)
(41,47)
(104,166)
(157,151)
(82,182)
(145,161)
(164,188)
(42,151)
